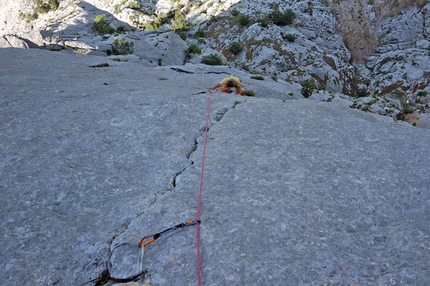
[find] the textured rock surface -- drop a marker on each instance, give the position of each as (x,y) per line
(296,192)
(360,48)
(401,63)
(332,38)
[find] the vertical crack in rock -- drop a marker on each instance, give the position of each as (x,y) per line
(217,117)
(125,224)
(192,149)
(220,114)
(173,180)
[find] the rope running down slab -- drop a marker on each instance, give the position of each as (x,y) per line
(199,201)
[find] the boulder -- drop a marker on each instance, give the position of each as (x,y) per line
(424,121)
(159,48)
(12,41)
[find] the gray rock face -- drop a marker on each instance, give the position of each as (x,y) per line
(161,49)
(318,53)
(11,41)
(401,65)
(32,39)
(296,192)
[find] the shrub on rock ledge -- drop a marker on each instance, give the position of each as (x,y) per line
(243,20)
(121,47)
(290,37)
(45,6)
(199,34)
(194,49)
(179,22)
(235,48)
(283,18)
(101,25)
(212,60)
(134,5)
(308,88)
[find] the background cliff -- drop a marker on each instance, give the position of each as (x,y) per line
(377,52)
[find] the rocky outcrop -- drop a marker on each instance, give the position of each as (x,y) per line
(33,39)
(378,57)
(313,52)
(12,41)
(402,59)
(399,72)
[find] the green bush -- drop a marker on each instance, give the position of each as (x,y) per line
(243,20)
(121,29)
(264,22)
(407,107)
(245,67)
(45,6)
(199,34)
(235,48)
(179,22)
(153,25)
(121,47)
(194,49)
(308,88)
(257,77)
(282,18)
(290,37)
(212,60)
(27,17)
(101,25)
(182,34)
(249,92)
(117,9)
(134,5)
(422,93)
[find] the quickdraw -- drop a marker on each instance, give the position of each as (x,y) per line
(155,236)
(120,269)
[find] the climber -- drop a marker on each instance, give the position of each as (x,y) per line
(229,82)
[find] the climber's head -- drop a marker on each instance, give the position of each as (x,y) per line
(230,83)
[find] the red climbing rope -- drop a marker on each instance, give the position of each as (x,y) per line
(199,201)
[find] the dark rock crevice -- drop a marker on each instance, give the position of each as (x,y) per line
(215,118)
